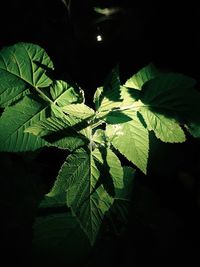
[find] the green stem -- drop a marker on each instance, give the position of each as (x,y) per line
(96,124)
(129,107)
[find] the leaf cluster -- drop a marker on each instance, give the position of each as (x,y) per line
(40,111)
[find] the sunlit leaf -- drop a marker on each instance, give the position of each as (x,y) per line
(79,110)
(109,96)
(57,132)
(23,68)
(78,177)
(131,139)
(141,77)
(64,94)
(172,93)
(14,122)
(166,129)
(110,167)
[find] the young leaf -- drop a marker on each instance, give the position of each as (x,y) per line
(112,85)
(141,77)
(23,67)
(78,177)
(131,139)
(97,97)
(109,96)
(127,94)
(166,129)
(15,120)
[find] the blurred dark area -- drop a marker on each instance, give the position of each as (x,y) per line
(164,221)
(140,32)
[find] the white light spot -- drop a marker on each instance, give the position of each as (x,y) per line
(99,38)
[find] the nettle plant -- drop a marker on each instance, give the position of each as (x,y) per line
(39,111)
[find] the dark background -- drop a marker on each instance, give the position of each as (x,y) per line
(165,33)
(163,228)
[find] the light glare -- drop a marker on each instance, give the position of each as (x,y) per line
(99,38)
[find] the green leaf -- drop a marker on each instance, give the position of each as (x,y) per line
(15,120)
(97,97)
(117,117)
(11,88)
(57,111)
(47,126)
(72,168)
(141,77)
(112,85)
(113,95)
(115,169)
(57,132)
(64,94)
(53,202)
(131,139)
(79,111)
(173,94)
(109,96)
(129,95)
(23,67)
(166,129)
(89,210)
(99,137)
(167,100)
(78,177)
(110,165)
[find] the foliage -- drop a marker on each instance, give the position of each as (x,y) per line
(40,111)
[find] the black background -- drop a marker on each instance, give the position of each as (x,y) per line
(165,33)
(164,225)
